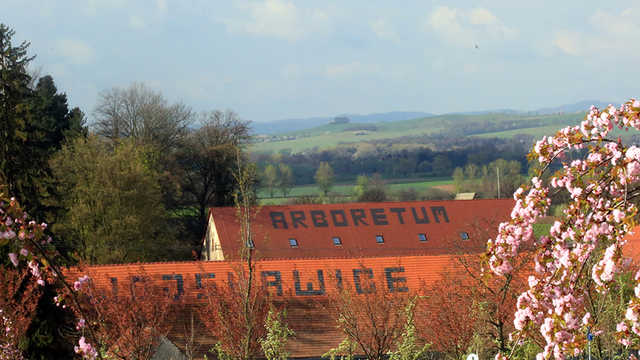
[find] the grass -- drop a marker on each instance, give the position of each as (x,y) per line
(541,229)
(346,189)
(329,136)
(536,132)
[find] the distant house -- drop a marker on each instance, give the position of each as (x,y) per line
(465,196)
(355,229)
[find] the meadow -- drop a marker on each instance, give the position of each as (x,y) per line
(485,125)
(345,190)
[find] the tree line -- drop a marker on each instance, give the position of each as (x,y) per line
(133,186)
(391,161)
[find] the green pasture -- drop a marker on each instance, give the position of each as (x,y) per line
(536,132)
(346,189)
(329,136)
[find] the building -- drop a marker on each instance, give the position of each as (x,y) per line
(306,273)
(354,230)
(304,284)
(303,253)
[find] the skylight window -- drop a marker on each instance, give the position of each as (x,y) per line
(379,239)
(422,237)
(464,235)
(293,243)
(336,241)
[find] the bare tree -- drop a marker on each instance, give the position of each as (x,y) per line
(205,164)
(143,114)
(235,313)
(372,318)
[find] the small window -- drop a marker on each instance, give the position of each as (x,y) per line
(464,235)
(422,237)
(293,242)
(250,244)
(379,239)
(337,241)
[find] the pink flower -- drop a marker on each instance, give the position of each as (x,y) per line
(81,324)
(618,215)
(77,285)
(14,259)
(621,327)
(85,349)
(24,252)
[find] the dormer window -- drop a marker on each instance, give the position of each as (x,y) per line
(379,239)
(422,237)
(336,241)
(464,235)
(293,243)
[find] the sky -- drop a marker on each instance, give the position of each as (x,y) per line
(277,59)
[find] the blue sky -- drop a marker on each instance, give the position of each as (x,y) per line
(275,59)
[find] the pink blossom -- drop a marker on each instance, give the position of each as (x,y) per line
(14,259)
(622,326)
(24,252)
(85,349)
(617,215)
(78,284)
(594,218)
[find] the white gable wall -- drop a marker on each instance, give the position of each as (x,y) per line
(212,250)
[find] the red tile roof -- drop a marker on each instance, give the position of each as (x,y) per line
(632,247)
(358,224)
(299,281)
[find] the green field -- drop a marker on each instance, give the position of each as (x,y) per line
(485,125)
(536,132)
(346,190)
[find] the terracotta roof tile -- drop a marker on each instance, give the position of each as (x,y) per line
(357,225)
(315,330)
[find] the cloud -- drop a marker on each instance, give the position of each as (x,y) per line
(76,51)
(277,18)
(142,18)
(461,27)
(351,69)
(568,42)
(161,6)
(610,34)
(97,7)
(383,29)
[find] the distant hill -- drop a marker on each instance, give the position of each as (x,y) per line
(293,125)
(289,125)
(582,106)
(504,125)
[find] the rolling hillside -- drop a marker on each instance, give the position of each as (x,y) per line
(453,125)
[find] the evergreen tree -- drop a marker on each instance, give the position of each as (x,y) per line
(34,123)
(14,90)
